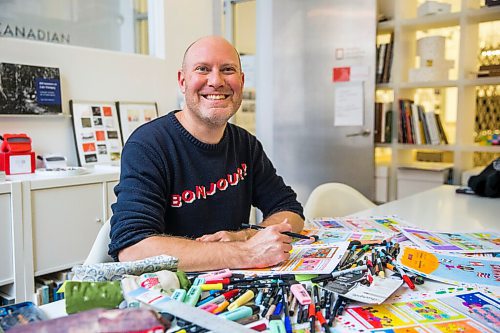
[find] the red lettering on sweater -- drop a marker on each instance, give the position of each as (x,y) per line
(233,179)
(201,192)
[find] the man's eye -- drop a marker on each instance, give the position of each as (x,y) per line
(229,70)
(202,69)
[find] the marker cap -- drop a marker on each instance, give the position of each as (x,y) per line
(300,293)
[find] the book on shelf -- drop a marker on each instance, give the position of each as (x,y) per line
(488,71)
(417,126)
(46,287)
(383,122)
(384,61)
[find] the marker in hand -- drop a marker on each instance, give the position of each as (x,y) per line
(288,233)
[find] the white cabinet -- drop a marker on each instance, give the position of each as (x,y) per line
(6,248)
(65,223)
(49,224)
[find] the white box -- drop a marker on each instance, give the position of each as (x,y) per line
(421,177)
(381,183)
(433,8)
(434,73)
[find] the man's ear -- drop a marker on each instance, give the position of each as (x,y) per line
(181,80)
(242,79)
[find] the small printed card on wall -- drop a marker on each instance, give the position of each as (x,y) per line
(134,114)
(29,90)
(97,132)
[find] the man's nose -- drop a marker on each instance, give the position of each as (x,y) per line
(216,79)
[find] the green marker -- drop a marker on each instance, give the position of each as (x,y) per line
(193,295)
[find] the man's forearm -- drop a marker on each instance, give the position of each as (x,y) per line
(192,255)
(294,220)
(267,248)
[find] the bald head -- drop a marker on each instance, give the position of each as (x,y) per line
(205,42)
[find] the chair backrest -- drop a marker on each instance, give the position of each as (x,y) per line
(335,200)
(99,252)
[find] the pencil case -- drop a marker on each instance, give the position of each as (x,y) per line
(113,271)
(82,296)
(19,314)
(100,320)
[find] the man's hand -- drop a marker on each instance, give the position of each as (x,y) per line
(226,236)
(269,246)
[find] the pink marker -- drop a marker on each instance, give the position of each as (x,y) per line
(217,275)
(300,293)
(210,307)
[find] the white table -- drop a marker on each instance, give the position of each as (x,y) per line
(441,209)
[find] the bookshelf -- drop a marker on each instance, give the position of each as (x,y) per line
(468,26)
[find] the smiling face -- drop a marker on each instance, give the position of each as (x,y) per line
(212,81)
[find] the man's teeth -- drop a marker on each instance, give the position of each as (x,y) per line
(215,97)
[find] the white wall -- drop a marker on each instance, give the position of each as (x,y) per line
(98,75)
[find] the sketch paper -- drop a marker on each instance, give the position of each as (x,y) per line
(307,259)
(329,236)
(471,312)
(350,286)
(463,242)
(450,268)
(383,225)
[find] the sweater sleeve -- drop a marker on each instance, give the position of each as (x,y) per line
(140,208)
(271,194)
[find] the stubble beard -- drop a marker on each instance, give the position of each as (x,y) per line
(213,119)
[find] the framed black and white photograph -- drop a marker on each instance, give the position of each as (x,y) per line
(134,114)
(97,132)
(29,90)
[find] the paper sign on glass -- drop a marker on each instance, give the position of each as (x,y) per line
(348,104)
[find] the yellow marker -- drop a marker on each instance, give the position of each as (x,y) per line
(212,286)
(222,306)
(242,300)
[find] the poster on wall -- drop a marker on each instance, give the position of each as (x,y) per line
(134,114)
(97,132)
(29,90)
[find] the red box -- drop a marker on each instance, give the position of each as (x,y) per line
(17,163)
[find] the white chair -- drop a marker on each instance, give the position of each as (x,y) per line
(99,252)
(335,200)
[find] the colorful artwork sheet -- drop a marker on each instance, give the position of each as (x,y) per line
(471,312)
(307,259)
(383,225)
(329,236)
(450,268)
(352,286)
(464,242)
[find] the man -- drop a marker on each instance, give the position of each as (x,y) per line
(188,179)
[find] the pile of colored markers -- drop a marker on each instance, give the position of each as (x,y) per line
(276,302)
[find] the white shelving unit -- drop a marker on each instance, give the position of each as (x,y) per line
(462,28)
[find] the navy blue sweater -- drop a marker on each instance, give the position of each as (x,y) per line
(172,183)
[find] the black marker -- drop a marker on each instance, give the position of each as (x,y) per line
(288,233)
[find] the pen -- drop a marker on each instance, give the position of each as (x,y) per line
(288,233)
(348,255)
(335,308)
(405,277)
(288,324)
(322,321)
(349,270)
